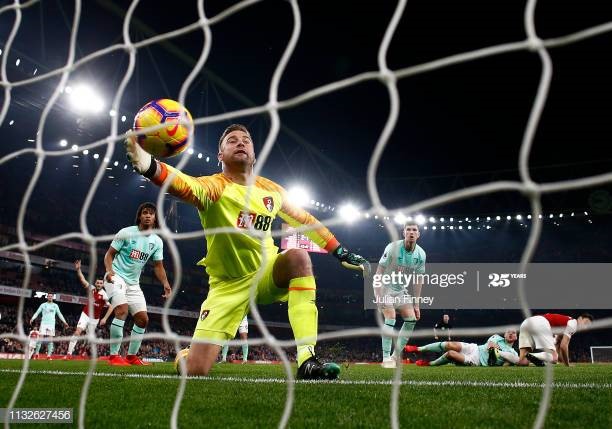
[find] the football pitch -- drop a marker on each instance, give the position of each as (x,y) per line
(240,396)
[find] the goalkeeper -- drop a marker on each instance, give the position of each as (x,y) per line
(495,352)
(234,258)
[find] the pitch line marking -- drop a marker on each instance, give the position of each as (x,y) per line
(446,383)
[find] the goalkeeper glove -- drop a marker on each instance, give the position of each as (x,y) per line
(349,259)
(142,161)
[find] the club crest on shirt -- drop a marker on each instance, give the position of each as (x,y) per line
(269,203)
(204,314)
(151,245)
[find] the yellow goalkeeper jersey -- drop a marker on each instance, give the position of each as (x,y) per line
(221,204)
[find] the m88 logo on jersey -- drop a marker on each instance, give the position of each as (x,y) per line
(247,220)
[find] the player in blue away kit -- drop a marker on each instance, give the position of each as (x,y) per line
(495,352)
(49,310)
(127,255)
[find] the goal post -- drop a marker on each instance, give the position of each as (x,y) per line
(601,354)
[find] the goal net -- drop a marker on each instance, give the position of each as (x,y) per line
(108,150)
(601,354)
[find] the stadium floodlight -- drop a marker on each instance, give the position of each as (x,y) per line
(586,213)
(375,216)
(432,219)
(63,143)
(442,227)
(367,215)
(425,227)
(12,122)
(488,226)
(125,166)
(508,217)
(207,158)
(460,227)
(488,218)
(317,204)
(451,227)
(441,219)
(85,99)
(451,220)
(96,156)
(539,216)
(116,163)
(518,217)
(551,216)
(74,147)
(528,216)
(86,152)
(420,219)
(18,62)
(572,214)
(190,151)
(560,214)
(400,219)
(497,217)
(123,118)
(200,155)
(469,226)
(112,113)
(433,227)
(348,212)
(106,159)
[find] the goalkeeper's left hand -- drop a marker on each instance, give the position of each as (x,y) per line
(140,160)
(349,259)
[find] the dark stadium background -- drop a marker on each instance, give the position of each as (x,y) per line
(459,126)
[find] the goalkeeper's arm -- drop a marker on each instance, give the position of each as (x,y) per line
(200,191)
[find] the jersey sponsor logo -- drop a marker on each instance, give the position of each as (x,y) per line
(269,203)
(138,255)
(247,220)
(204,314)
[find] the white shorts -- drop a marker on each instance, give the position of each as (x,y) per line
(392,298)
(535,333)
(244,326)
(85,322)
(119,292)
(471,354)
(47,330)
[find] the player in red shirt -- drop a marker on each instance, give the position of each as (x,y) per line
(100,300)
(34,334)
(536,341)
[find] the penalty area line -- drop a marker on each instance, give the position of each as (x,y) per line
(436,383)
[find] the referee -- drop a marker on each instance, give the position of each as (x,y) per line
(444,327)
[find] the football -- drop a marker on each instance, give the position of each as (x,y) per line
(165,142)
(181,355)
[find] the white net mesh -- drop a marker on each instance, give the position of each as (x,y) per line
(389,78)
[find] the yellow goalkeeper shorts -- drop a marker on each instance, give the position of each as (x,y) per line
(228,302)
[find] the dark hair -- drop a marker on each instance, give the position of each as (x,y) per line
(231,128)
(411,222)
(587,316)
(143,206)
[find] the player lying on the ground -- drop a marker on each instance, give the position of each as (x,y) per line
(243,331)
(233,259)
(536,341)
(100,300)
(495,352)
(401,257)
(49,310)
(124,260)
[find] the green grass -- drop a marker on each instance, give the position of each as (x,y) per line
(217,402)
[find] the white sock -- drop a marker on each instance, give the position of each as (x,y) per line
(509,357)
(543,356)
(71,345)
